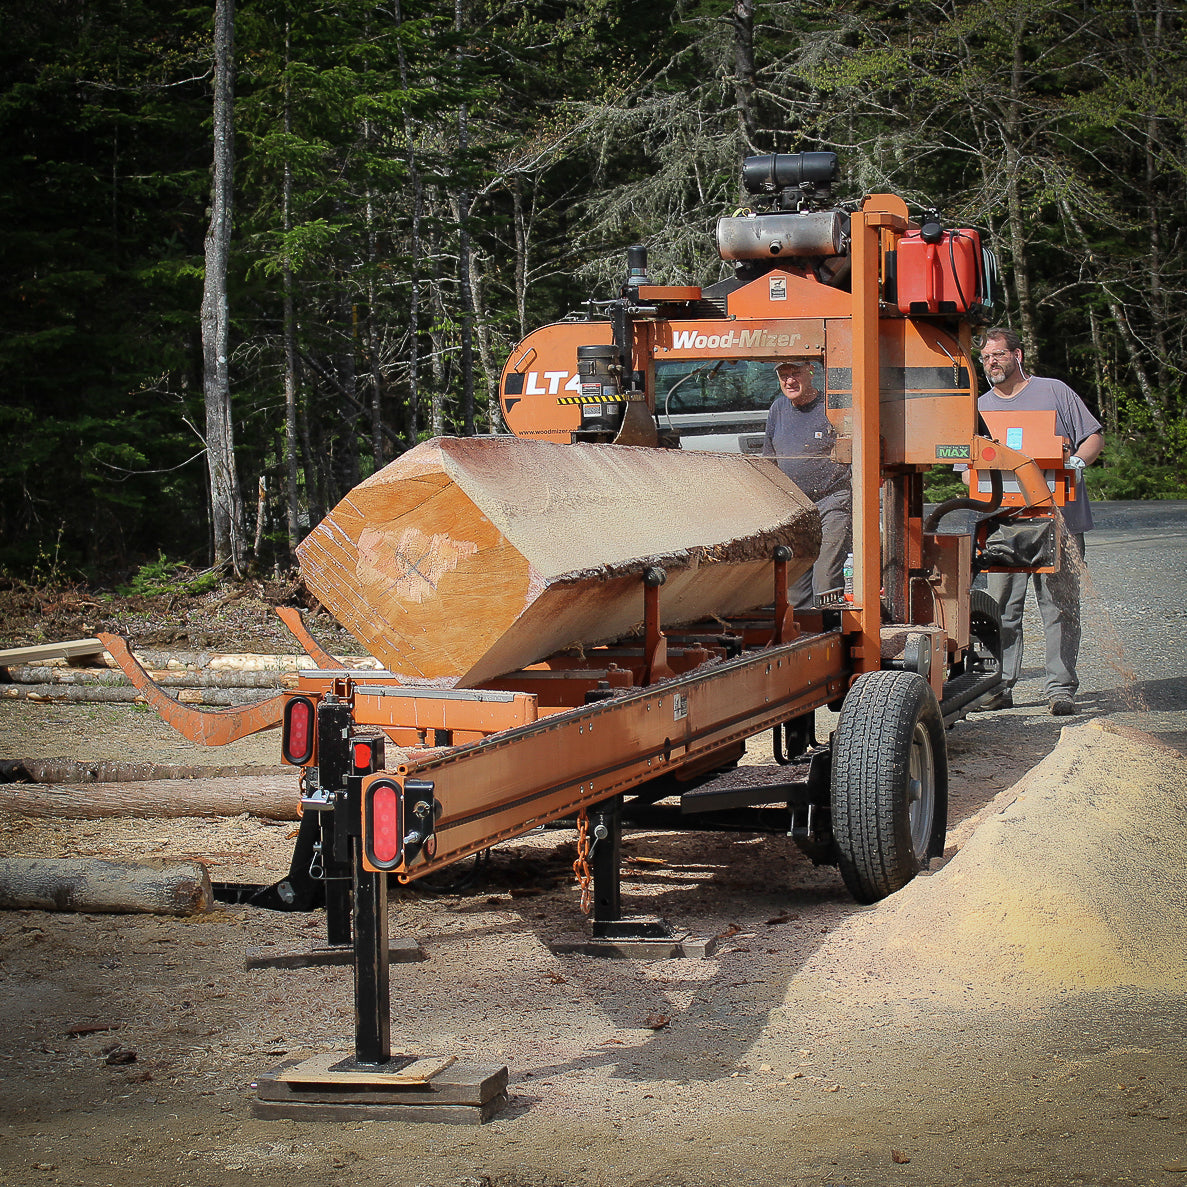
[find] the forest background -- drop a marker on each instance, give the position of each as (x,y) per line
(409,187)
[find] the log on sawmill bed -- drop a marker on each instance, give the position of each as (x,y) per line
(468,558)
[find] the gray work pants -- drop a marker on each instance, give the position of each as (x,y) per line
(828,571)
(1058,596)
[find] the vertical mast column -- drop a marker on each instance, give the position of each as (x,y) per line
(865,231)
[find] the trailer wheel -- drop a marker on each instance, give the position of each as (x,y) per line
(889,783)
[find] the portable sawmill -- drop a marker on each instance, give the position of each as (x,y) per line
(584,620)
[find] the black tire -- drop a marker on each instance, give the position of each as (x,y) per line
(889,783)
(985,633)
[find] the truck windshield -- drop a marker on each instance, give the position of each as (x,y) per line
(688,386)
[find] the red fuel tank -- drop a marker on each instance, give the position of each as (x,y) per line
(942,277)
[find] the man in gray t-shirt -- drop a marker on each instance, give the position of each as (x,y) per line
(1058,593)
(800,438)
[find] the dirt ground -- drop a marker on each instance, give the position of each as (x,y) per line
(1015,1016)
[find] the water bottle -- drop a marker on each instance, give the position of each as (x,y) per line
(848,571)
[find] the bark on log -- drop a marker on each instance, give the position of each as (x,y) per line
(124,695)
(167,678)
(61,770)
(270,797)
(93,884)
(467,558)
(154,659)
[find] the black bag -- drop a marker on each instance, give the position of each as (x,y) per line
(1019,544)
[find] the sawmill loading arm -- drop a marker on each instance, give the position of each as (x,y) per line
(579,624)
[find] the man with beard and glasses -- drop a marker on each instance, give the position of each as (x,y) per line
(1058,593)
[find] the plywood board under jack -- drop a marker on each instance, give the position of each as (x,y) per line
(329,1087)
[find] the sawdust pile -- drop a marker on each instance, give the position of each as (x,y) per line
(1078,883)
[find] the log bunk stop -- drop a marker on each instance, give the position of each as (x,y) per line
(581,625)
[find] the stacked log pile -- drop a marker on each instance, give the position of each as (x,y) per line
(91,790)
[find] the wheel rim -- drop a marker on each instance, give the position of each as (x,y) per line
(921,790)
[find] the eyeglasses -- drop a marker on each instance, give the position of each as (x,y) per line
(990,356)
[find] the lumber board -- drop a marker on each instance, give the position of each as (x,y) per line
(70,649)
(468,558)
(331,1068)
(95,884)
(337,1110)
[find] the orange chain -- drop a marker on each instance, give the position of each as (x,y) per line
(581,865)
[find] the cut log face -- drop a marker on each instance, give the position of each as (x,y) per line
(468,558)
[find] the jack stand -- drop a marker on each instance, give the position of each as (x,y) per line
(315,848)
(641,937)
(374,1083)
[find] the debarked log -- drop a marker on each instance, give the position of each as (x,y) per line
(96,884)
(270,797)
(467,558)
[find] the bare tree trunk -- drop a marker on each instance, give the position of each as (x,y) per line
(521,255)
(1011,136)
(226,501)
(463,204)
(742,18)
(413,419)
(290,350)
(1120,318)
(1108,406)
(491,372)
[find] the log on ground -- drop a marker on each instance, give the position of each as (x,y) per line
(468,558)
(269,797)
(95,884)
(166,678)
(64,770)
(103,694)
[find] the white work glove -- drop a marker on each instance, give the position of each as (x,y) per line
(1075,463)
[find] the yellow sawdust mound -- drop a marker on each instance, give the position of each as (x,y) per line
(1079,884)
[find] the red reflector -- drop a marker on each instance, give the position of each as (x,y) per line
(298,739)
(362,756)
(385,824)
(988,453)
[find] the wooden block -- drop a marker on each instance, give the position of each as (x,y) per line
(440,1088)
(95,884)
(324,1111)
(468,558)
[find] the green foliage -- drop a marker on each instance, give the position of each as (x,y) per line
(377,145)
(942,483)
(1144,465)
(162,576)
